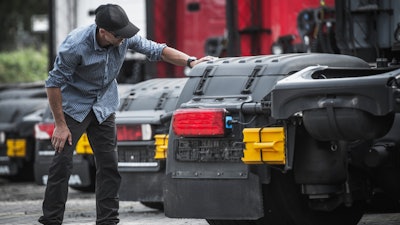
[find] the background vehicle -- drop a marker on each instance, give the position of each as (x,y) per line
(145,114)
(144,111)
(296,138)
(83,173)
(271,27)
(84,168)
(20,108)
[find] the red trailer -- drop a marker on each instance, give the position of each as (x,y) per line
(260,23)
(185,25)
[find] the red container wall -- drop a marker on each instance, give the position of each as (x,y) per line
(262,22)
(186,25)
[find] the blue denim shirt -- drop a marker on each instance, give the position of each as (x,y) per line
(86,73)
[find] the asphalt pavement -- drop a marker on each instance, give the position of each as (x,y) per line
(20,203)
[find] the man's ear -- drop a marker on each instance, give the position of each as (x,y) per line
(102,31)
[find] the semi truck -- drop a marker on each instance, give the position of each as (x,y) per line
(21,106)
(296,138)
(142,124)
(142,161)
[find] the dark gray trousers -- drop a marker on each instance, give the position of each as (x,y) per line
(102,138)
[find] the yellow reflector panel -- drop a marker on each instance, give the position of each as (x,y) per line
(264,145)
(83,147)
(161,143)
(16,147)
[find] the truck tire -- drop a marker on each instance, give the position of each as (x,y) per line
(295,205)
(154,205)
(231,222)
(85,189)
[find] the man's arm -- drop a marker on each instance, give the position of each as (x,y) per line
(179,58)
(61,132)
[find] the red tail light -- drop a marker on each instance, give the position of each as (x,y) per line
(199,122)
(44,131)
(133,132)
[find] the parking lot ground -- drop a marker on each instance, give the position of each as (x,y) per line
(20,203)
(82,212)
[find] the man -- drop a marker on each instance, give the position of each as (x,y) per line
(83,96)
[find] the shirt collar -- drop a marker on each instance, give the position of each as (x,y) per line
(96,45)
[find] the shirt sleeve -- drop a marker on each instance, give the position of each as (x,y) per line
(147,47)
(64,65)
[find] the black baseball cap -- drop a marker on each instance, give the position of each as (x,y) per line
(114,19)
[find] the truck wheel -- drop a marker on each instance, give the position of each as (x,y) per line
(154,205)
(86,189)
(230,222)
(295,205)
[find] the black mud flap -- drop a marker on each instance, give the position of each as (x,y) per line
(142,186)
(80,175)
(233,199)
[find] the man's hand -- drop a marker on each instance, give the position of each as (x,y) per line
(179,58)
(204,59)
(61,135)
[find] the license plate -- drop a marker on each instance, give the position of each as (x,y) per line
(16,147)
(83,145)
